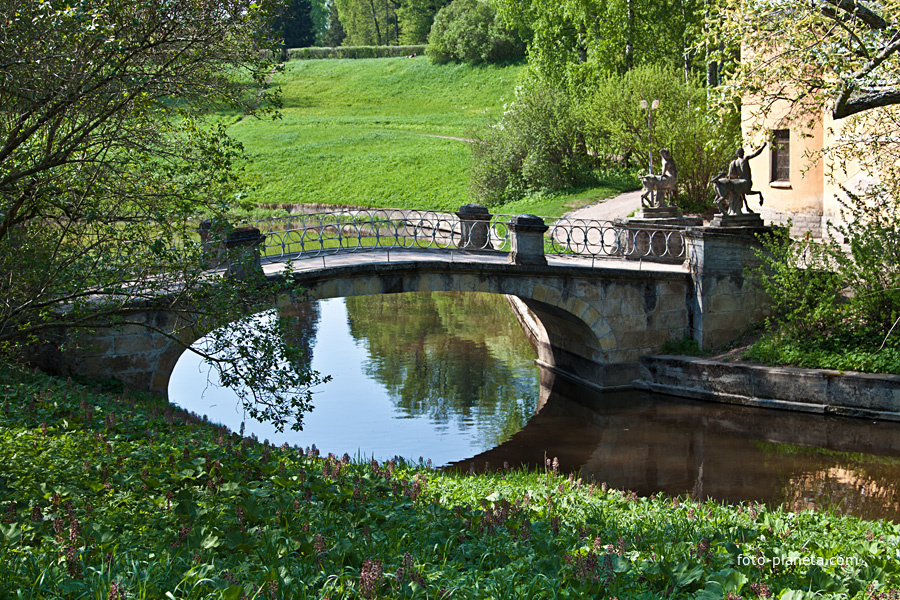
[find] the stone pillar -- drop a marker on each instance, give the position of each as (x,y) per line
(243,252)
(475,227)
(212,242)
(725,301)
(526,234)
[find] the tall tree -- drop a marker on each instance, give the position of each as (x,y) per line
(334,30)
(367,22)
(294,24)
(106,156)
(416,18)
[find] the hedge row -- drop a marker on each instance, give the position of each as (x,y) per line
(354,52)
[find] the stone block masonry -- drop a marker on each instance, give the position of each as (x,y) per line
(821,391)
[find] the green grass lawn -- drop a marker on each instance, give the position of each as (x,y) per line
(376,133)
(108,495)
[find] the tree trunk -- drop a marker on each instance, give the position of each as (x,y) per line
(375,21)
(629,36)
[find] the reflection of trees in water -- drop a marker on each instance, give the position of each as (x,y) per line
(301,323)
(451,356)
(849,483)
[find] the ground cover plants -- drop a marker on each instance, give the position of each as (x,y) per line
(112,495)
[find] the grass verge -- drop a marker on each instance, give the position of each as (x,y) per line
(108,495)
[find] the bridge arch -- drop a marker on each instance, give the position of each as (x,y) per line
(588,325)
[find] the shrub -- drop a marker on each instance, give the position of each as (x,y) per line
(354,52)
(700,139)
(534,148)
(837,306)
(468,31)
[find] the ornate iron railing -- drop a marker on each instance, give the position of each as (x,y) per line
(317,234)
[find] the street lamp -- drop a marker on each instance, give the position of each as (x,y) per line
(650,108)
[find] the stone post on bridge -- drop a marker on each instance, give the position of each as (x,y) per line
(475,227)
(243,245)
(526,234)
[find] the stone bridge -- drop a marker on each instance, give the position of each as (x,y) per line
(590,321)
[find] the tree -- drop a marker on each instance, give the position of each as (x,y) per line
(843,52)
(468,31)
(368,22)
(294,24)
(334,31)
(106,158)
(416,18)
(573,40)
(800,60)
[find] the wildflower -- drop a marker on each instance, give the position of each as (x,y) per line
(761,589)
(555,466)
(72,563)
(370,576)
(10,512)
(702,550)
(36,514)
(319,546)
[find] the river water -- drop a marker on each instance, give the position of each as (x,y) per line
(450,377)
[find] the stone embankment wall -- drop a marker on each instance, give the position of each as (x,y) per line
(820,391)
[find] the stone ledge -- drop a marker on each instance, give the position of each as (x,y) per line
(822,391)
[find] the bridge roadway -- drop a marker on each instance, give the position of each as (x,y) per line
(369,256)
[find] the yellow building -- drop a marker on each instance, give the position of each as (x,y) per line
(797,182)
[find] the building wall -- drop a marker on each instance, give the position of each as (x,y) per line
(802,198)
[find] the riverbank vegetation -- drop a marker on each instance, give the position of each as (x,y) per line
(836,302)
(109,495)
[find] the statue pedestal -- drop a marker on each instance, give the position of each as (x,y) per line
(661,212)
(742,220)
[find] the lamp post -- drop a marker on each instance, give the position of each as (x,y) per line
(650,108)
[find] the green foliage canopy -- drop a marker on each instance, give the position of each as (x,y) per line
(573,40)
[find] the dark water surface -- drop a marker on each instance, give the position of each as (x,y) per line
(450,376)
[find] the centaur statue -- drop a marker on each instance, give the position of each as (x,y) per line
(732,191)
(659,188)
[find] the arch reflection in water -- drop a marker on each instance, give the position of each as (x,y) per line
(651,443)
(441,376)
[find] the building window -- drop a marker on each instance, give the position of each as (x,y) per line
(781,156)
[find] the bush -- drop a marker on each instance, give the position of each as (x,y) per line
(468,31)
(534,148)
(354,52)
(700,139)
(837,306)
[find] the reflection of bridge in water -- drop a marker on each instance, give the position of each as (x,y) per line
(637,441)
(590,311)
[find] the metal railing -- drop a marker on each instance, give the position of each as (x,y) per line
(318,234)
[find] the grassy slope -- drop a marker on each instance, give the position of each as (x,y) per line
(108,496)
(365,133)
